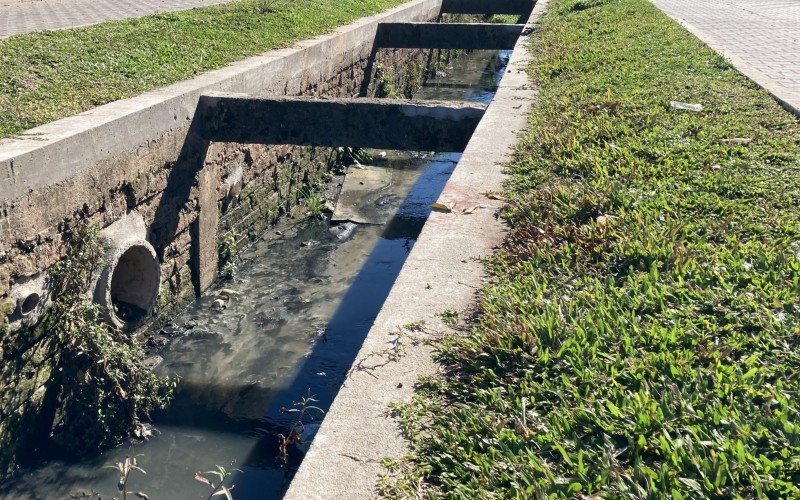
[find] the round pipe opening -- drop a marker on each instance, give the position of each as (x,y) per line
(134,284)
(29,304)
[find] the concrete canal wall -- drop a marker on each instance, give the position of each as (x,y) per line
(165,197)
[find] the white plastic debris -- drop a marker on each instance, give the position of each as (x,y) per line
(686,106)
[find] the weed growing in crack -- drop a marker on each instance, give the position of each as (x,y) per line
(404,337)
(227,255)
(449,317)
(386,87)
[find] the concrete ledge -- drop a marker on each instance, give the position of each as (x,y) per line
(442,271)
(474,36)
(358,123)
(54,152)
(488,7)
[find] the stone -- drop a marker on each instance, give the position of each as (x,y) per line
(343,231)
(359,185)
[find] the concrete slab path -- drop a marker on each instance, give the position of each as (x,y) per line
(760,37)
(17,17)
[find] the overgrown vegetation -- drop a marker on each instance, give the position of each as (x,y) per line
(228,249)
(101,389)
(51,75)
(315,203)
(640,336)
(386,87)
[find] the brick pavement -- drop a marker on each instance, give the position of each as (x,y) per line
(760,37)
(24,16)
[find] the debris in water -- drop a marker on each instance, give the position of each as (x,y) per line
(130,313)
(343,231)
(153,361)
(686,106)
(228,293)
(218,304)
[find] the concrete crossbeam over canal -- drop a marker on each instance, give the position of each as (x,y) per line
(358,123)
(488,7)
(475,36)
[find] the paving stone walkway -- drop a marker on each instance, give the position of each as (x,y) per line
(24,16)
(760,37)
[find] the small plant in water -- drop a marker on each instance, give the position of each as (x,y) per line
(216,486)
(348,156)
(125,468)
(304,412)
(315,204)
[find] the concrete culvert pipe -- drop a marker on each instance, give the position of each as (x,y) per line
(29,296)
(28,305)
(129,284)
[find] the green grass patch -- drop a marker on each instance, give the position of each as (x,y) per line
(640,336)
(52,75)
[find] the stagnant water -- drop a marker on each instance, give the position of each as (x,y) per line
(305,302)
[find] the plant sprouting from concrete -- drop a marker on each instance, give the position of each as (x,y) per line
(386,87)
(449,317)
(227,254)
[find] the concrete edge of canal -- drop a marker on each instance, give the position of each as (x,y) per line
(443,271)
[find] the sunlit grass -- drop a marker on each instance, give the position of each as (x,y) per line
(51,75)
(640,336)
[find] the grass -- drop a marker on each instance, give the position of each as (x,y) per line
(639,336)
(52,75)
(315,203)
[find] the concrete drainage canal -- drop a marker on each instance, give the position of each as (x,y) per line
(288,326)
